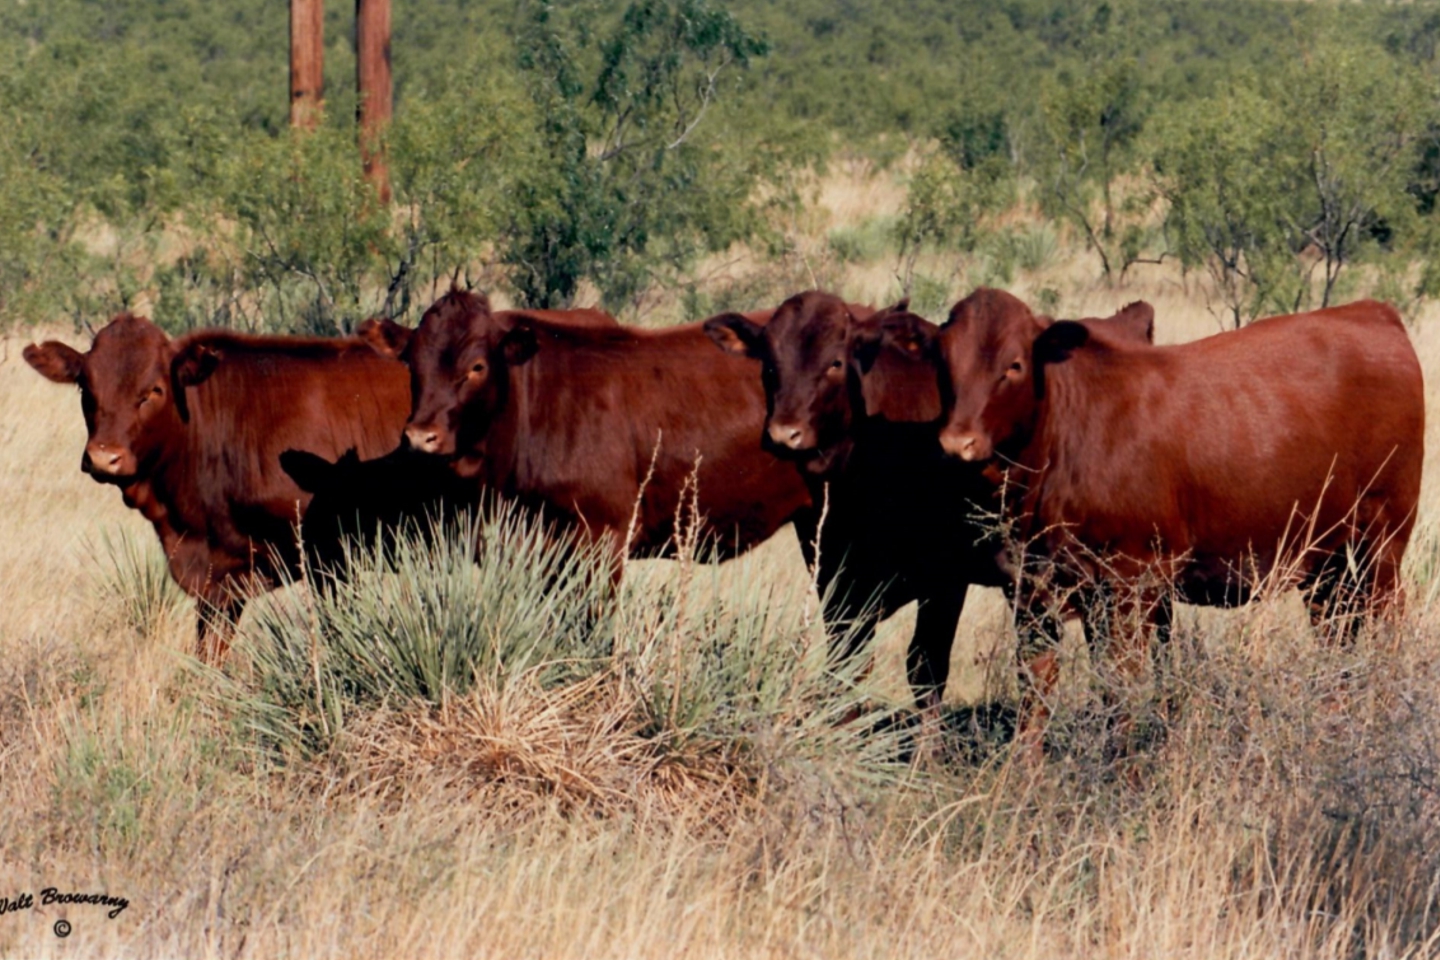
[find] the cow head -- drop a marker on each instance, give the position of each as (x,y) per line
(458,358)
(814,355)
(992,356)
(132,392)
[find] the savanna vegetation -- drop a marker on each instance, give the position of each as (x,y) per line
(502,759)
(616,152)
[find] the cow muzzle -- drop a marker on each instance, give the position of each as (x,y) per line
(791,435)
(965,444)
(428,438)
(107,460)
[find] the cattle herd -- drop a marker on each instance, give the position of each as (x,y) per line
(1073,463)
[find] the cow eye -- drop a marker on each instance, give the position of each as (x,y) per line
(479,367)
(1017,367)
(837,364)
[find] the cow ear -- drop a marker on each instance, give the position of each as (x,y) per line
(1136,322)
(310,471)
(894,329)
(190,367)
(1057,341)
(55,361)
(519,344)
(736,334)
(385,336)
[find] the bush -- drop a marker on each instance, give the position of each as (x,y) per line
(134,580)
(533,622)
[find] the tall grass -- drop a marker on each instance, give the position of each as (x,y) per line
(515,648)
(680,770)
(133,579)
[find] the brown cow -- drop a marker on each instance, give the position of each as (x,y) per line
(369,502)
(904,521)
(582,424)
(191,430)
(1290,449)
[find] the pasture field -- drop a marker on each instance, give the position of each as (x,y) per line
(646,805)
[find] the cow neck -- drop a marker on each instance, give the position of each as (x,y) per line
(498,451)
(168,496)
(1070,422)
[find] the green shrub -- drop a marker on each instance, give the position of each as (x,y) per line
(689,666)
(134,580)
(866,242)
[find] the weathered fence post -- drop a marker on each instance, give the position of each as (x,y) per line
(307,62)
(372,74)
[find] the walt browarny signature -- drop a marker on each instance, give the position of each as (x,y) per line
(50,895)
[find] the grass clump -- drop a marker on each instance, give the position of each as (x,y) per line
(527,676)
(133,580)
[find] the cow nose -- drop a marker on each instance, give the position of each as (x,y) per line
(424,438)
(788,434)
(966,445)
(103,458)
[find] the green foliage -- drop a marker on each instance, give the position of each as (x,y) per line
(946,206)
(117,775)
(1093,116)
(573,145)
(1218,164)
(134,580)
(869,240)
(625,186)
(504,605)
(310,227)
(1312,171)
(431,616)
(1354,122)
(754,675)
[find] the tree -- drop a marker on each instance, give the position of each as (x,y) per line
(1312,170)
(945,206)
(1220,163)
(624,187)
(1091,120)
(1356,120)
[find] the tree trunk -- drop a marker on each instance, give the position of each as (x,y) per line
(307,62)
(372,75)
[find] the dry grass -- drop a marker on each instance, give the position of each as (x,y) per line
(1289,810)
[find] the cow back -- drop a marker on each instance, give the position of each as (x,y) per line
(1294,432)
(606,425)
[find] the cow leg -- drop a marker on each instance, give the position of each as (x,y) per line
(806,527)
(1039,630)
(1136,612)
(1097,607)
(928,660)
(852,615)
(217,616)
(1163,653)
(219,596)
(1361,581)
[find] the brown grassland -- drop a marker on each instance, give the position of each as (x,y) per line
(1290,809)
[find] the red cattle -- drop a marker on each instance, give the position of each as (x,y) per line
(367,502)
(1287,451)
(610,430)
(192,429)
(904,522)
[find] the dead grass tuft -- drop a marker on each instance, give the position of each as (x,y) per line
(524,750)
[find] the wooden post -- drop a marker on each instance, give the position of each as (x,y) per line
(372,76)
(307,62)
